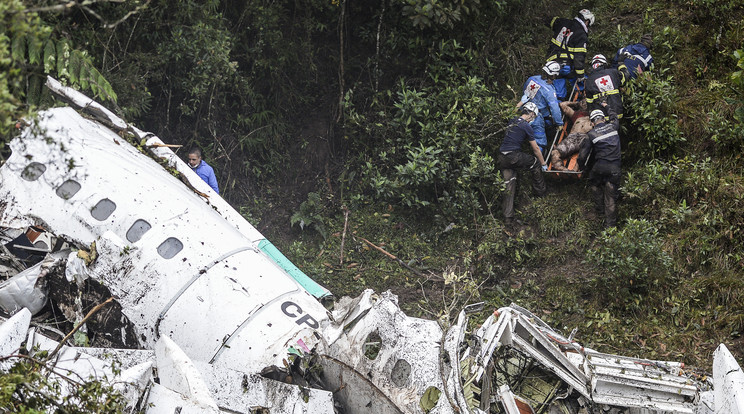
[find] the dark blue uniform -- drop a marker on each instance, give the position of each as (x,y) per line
(600,155)
(511,158)
(636,57)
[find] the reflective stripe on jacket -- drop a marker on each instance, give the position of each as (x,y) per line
(568,45)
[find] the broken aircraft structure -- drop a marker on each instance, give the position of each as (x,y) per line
(208,316)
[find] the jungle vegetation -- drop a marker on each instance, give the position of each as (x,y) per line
(337,127)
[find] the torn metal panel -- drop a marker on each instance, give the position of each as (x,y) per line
(161,400)
(540,346)
(460,368)
(22,291)
(237,391)
(13,333)
(394,379)
(28,289)
(178,373)
(728,380)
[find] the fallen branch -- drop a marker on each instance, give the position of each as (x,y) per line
(394,258)
(343,235)
(158,145)
(75,329)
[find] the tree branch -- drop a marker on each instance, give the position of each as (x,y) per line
(75,329)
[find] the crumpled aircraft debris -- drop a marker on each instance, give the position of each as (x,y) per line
(219,321)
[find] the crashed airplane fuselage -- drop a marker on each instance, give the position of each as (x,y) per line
(176,266)
(184,266)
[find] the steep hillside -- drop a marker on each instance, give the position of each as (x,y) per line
(345,128)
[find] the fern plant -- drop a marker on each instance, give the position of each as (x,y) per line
(57,58)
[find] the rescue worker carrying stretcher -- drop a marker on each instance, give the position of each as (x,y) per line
(539,90)
(511,158)
(604,84)
(636,57)
(568,48)
(600,156)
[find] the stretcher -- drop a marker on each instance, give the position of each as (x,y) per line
(560,134)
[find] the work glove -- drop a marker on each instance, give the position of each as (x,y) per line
(545,167)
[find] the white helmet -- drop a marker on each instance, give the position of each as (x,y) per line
(597,113)
(552,68)
(587,15)
(598,60)
(530,107)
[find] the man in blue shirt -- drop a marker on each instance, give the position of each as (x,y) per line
(539,89)
(636,57)
(511,158)
(202,169)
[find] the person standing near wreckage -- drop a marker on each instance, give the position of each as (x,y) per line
(202,169)
(511,158)
(600,156)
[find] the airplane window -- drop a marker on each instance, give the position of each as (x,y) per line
(68,189)
(372,345)
(138,229)
(33,171)
(103,209)
(170,247)
(400,373)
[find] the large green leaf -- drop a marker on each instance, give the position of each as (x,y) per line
(430,398)
(50,56)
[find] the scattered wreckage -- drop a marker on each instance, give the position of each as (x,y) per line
(208,316)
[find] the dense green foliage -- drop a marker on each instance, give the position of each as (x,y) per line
(330,122)
(30,387)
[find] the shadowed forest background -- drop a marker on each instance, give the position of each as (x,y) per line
(339,126)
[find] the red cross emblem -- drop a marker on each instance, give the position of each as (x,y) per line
(604,84)
(532,86)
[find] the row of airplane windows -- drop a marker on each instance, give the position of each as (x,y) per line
(103,210)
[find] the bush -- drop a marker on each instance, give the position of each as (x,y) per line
(431,148)
(651,108)
(698,201)
(631,261)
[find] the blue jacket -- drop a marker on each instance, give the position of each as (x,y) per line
(206,173)
(637,58)
(543,95)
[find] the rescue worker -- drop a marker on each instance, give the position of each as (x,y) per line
(539,90)
(600,156)
(511,158)
(636,57)
(568,48)
(580,125)
(604,84)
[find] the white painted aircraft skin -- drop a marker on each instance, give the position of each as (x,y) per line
(217,289)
